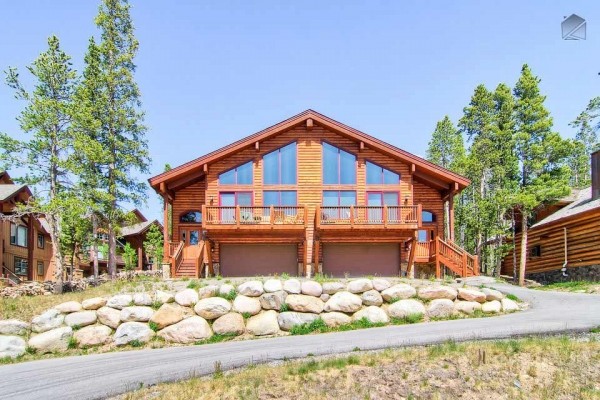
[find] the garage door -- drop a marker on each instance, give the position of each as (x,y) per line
(258,259)
(355,259)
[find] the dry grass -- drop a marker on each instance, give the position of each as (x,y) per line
(535,368)
(572,286)
(25,308)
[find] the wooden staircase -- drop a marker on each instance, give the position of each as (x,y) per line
(448,254)
(191,267)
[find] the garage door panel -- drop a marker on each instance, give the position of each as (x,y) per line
(258,259)
(356,259)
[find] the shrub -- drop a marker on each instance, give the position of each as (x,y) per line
(193,284)
(228,296)
(512,297)
(153,325)
(284,307)
(136,343)
(72,343)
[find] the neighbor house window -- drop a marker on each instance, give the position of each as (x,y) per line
(428,217)
(18,235)
(40,268)
(191,217)
(41,241)
(279,166)
(536,251)
(240,175)
(279,198)
(20,266)
(339,166)
(377,175)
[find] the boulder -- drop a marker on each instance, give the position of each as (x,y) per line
(509,305)
(190,330)
(109,317)
(164,297)
(168,314)
(187,297)
(212,307)
(272,300)
(335,319)
(12,346)
(467,307)
(399,291)
(136,314)
(48,320)
(262,324)
(492,294)
(380,284)
(304,303)
(208,291)
(437,292)
(333,287)
(471,295)
(405,308)
(142,299)
(14,327)
(493,306)
(225,289)
(324,297)
(244,304)
(311,288)
(440,308)
(289,319)
(360,285)
(251,288)
(81,318)
(344,302)
(272,285)
(229,324)
(129,332)
(119,301)
(292,286)
(93,335)
(54,340)
(371,298)
(68,307)
(94,303)
(373,314)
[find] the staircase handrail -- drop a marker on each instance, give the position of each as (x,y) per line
(177,258)
(11,276)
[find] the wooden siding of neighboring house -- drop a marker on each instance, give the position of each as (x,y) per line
(11,251)
(583,249)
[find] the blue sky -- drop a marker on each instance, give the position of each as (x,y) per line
(213,72)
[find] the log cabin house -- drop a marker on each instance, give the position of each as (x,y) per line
(310,195)
(563,240)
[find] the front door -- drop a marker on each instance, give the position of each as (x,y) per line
(191,238)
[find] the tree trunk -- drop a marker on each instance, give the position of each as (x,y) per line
(95,247)
(112,250)
(56,253)
(523,260)
(499,241)
(514,247)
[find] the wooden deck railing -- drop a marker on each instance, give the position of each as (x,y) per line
(172,247)
(369,215)
(177,258)
(199,259)
(449,254)
(10,277)
(254,215)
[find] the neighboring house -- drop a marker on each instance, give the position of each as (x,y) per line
(563,242)
(309,195)
(25,248)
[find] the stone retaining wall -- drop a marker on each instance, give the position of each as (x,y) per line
(253,308)
(589,273)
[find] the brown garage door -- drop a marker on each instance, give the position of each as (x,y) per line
(258,259)
(355,259)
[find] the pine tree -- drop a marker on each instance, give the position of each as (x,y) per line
(446,147)
(585,143)
(153,245)
(47,118)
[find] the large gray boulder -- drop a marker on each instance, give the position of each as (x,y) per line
(129,332)
(81,319)
(491,307)
(212,307)
(509,305)
(244,304)
(225,289)
(208,291)
(93,335)
(440,308)
(229,324)
(437,292)
(136,314)
(371,298)
(360,285)
(186,297)
(55,340)
(272,285)
(50,319)
(263,324)
(304,303)
(467,307)
(169,314)
(94,303)
(190,330)
(273,300)
(12,346)
(68,307)
(333,287)
(120,301)
(311,288)
(492,294)
(289,319)
(343,301)
(142,299)
(335,319)
(292,286)
(373,314)
(399,291)
(381,284)
(471,295)
(164,297)
(14,327)
(109,317)
(405,308)
(251,288)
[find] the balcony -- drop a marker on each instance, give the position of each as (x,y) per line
(254,218)
(369,217)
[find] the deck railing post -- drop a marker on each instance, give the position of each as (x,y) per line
(305,216)
(318,217)
(237,215)
(464,262)
(419,215)
(385,216)
(351,215)
(272,215)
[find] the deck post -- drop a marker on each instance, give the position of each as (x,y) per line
(237,215)
(316,267)
(30,246)
(271,215)
(420,215)
(464,264)
(385,216)
(317,217)
(166,247)
(351,216)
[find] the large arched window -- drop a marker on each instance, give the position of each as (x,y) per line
(427,217)
(191,217)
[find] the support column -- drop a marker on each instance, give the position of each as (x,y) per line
(140,255)
(316,266)
(166,246)
(30,246)
(451,217)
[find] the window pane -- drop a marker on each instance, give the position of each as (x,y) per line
(347,168)
(193,237)
(244,174)
(374,199)
(22,236)
(423,236)
(373,174)
(390,199)
(330,198)
(271,168)
(227,178)
(288,164)
(428,216)
(390,178)
(288,198)
(347,198)
(244,199)
(330,164)
(270,198)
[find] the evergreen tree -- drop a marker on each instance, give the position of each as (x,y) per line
(585,143)
(153,245)
(446,147)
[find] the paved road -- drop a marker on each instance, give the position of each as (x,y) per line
(102,375)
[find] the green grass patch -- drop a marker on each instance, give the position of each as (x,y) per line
(320,278)
(570,286)
(595,330)
(512,297)
(216,338)
(443,349)
(194,284)
(228,296)
(409,319)
(136,343)
(153,325)
(318,325)
(313,365)
(72,343)
(246,315)
(284,307)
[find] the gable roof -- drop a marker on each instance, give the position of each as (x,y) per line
(421,167)
(138,228)
(582,203)
(8,191)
